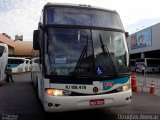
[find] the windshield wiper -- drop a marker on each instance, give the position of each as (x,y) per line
(107,54)
(83,53)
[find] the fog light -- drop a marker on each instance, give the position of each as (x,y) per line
(50,104)
(57,105)
(127,98)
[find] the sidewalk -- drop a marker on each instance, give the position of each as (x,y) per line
(144,82)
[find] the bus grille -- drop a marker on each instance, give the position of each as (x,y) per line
(82,94)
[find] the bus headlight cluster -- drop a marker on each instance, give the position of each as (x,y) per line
(124,88)
(57,92)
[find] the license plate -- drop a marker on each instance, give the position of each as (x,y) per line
(97,102)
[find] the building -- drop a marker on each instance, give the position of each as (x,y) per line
(23,48)
(18,47)
(4,38)
(145,43)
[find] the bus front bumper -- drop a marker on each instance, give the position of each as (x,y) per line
(70,103)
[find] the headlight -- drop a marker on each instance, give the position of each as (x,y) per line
(124,88)
(57,92)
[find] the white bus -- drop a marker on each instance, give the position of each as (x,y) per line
(149,65)
(3,60)
(80,64)
(27,67)
(17,64)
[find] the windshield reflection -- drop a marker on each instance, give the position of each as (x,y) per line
(73,52)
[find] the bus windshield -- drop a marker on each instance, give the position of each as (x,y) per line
(15,62)
(85,52)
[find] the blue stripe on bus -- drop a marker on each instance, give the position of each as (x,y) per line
(13,65)
(108,84)
(121,80)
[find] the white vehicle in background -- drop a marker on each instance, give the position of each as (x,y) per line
(30,65)
(27,67)
(149,65)
(34,69)
(17,64)
(3,59)
(81,63)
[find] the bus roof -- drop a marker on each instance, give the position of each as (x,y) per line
(87,16)
(16,58)
(77,6)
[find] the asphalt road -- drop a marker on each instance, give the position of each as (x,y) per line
(18,101)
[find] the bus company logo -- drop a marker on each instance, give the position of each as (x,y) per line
(108,84)
(95,89)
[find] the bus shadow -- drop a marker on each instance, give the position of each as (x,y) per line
(95,114)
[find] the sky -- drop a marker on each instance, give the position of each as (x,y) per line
(21,17)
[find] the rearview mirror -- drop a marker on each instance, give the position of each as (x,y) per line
(36,35)
(126,35)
